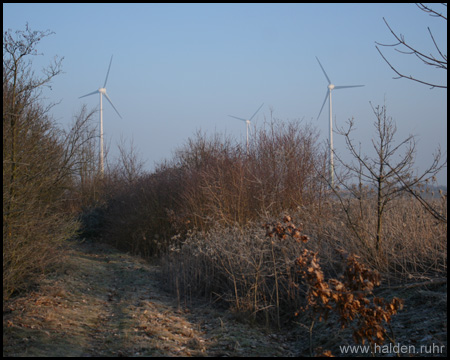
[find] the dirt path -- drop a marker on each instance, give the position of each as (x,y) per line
(106,303)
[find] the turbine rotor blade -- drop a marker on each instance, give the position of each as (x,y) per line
(329,81)
(107,97)
(108,71)
(326,96)
(237,118)
(347,86)
(256,112)
(92,93)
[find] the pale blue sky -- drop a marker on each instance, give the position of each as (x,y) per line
(182,67)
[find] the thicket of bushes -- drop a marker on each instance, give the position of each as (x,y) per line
(212,181)
(202,214)
(34,184)
(256,275)
(43,164)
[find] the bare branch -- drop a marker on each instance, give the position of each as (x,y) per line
(409,77)
(429,60)
(432,12)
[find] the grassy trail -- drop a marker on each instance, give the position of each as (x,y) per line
(106,303)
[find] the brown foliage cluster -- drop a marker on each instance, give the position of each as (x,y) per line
(259,273)
(283,231)
(351,297)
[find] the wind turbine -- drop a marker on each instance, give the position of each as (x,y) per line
(248,121)
(102,91)
(328,95)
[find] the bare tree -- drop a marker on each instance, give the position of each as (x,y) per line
(39,164)
(20,87)
(438,61)
(129,164)
(390,173)
(80,161)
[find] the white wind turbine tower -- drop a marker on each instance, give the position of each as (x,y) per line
(248,121)
(102,91)
(328,95)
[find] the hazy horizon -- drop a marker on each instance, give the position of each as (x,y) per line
(182,67)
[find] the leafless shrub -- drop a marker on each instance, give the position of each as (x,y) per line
(415,243)
(37,165)
(212,180)
(378,184)
(254,273)
(282,166)
(227,185)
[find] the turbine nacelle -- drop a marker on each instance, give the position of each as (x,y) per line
(331,87)
(328,97)
(247,121)
(102,91)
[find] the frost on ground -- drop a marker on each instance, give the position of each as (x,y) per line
(106,303)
